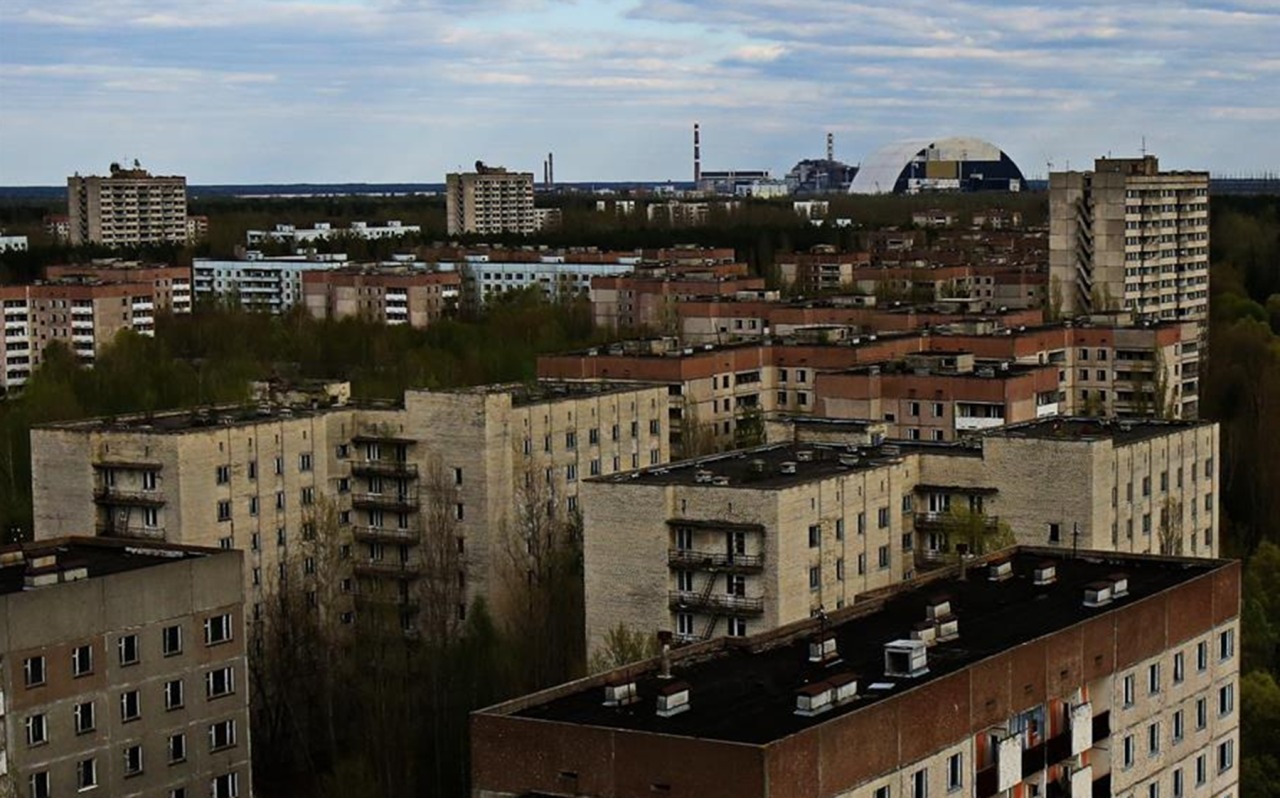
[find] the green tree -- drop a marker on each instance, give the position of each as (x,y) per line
(622,646)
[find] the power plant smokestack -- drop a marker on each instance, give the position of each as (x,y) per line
(697,156)
(831,147)
(551,169)
(546,174)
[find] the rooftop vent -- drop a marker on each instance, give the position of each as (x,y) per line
(789,467)
(1046,573)
(938,607)
(948,629)
(703,476)
(1000,571)
(822,648)
(926,632)
(1097,594)
(721,481)
(850,460)
(673,699)
(1119,585)
(758,465)
(620,693)
(804,455)
(907,658)
(845,685)
(814,699)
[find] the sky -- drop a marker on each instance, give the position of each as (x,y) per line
(258,91)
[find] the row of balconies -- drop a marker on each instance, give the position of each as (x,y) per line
(720,602)
(714,561)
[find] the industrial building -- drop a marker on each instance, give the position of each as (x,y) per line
(749,540)
(127,208)
(923,165)
(1123,680)
(1129,236)
(123,670)
(490,201)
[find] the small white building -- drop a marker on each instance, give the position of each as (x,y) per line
(13,243)
(558,278)
(323,230)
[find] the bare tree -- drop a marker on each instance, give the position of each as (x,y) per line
(1170,529)
(623,646)
(441,586)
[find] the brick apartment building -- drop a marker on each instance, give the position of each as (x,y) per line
(123,670)
(453,466)
(84,315)
(171,285)
(737,543)
(389,296)
(1122,681)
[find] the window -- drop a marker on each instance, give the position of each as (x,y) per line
(815,535)
(840,569)
(1226,699)
(571,440)
(223,474)
(1127,753)
(839,529)
(1178,786)
(171,640)
(1226,644)
(220,682)
(82,661)
(226,786)
(937,409)
(1202,770)
(84,717)
(217,629)
(252,469)
(913,408)
(1153,738)
(149,480)
(1202,656)
(37,729)
(177,748)
(1202,714)
(1179,727)
(132,760)
(1179,668)
(279,465)
(883,557)
(304,461)
(862,563)
(1153,790)
(1055,533)
(222,735)
(955,772)
(253,505)
(1226,755)
(33,671)
(737,627)
(87,774)
(684,623)
(883,792)
(1128,690)
(1153,678)
(128,648)
(882,517)
(173,694)
(920,784)
(38,784)
(862,523)
(815,577)
(224,510)
(130,706)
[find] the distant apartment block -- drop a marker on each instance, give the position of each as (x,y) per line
(390,296)
(1129,236)
(650,298)
(170,285)
(322,231)
(1031,673)
(557,276)
(12,243)
(197,229)
(490,201)
(129,207)
(738,543)
(394,484)
(259,282)
(58,227)
(123,670)
(679,213)
(84,316)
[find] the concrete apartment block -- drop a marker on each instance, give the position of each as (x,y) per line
(490,201)
(123,670)
(128,207)
(947,685)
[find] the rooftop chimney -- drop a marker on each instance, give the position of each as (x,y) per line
(1046,573)
(822,648)
(906,658)
(1119,585)
(1097,594)
(664,640)
(620,691)
(673,699)
(1000,571)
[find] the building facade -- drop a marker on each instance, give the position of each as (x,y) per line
(1128,236)
(1123,681)
(123,670)
(358,497)
(129,207)
(85,316)
(322,231)
(388,296)
(490,201)
(259,282)
(171,285)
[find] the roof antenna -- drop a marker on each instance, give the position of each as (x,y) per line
(1144,146)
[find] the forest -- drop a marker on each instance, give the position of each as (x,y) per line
(362,740)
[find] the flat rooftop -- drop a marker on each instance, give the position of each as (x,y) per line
(745,690)
(551,390)
(1121,431)
(179,421)
(98,556)
(771,467)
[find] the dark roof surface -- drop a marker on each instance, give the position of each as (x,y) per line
(1121,431)
(761,468)
(743,696)
(101,558)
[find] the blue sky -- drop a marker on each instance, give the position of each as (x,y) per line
(229,91)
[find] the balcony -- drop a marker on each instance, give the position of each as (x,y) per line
(384,601)
(397,502)
(397,469)
(939,522)
(719,602)
(126,530)
(715,561)
(110,494)
(379,534)
(1101,727)
(387,569)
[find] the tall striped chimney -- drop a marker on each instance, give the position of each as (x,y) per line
(697,156)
